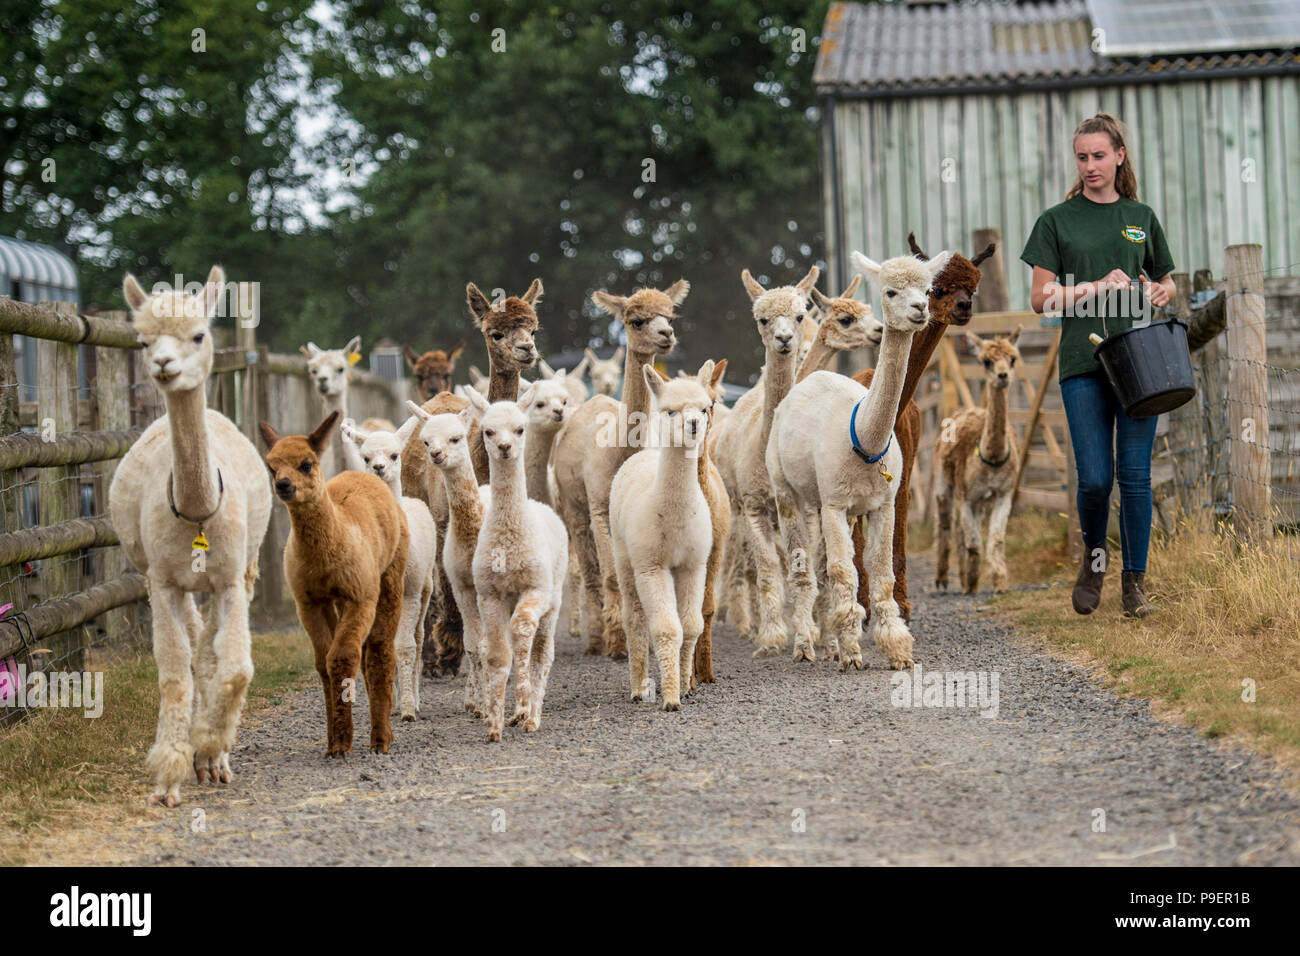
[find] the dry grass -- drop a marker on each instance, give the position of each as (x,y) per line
(57,767)
(1225,615)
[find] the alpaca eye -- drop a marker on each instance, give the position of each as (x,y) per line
(541,404)
(637,323)
(365,459)
(891,293)
(988,364)
(1013,360)
(455,440)
(198,338)
(497,336)
(519,431)
(846,321)
(488,433)
(762,321)
(305,468)
(393,456)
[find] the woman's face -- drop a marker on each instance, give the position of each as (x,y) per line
(1096,160)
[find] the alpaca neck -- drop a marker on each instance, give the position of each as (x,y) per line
(509,495)
(337,403)
(537,455)
(464,506)
(778,376)
(636,396)
(993,439)
(317,524)
(503,381)
(923,347)
(820,357)
(194,482)
(394,482)
(875,419)
(677,470)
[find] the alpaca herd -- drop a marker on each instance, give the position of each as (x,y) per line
(651,513)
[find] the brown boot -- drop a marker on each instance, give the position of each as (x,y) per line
(1087,587)
(1136,603)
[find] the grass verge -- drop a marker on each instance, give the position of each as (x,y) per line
(57,766)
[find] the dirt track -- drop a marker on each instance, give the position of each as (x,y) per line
(776,763)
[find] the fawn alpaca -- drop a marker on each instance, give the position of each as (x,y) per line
(345,562)
(519,565)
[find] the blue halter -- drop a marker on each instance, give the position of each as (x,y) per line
(853,437)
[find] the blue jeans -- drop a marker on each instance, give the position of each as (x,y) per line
(1109,444)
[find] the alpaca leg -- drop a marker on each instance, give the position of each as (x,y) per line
(319,621)
(971,541)
(573,586)
(475,680)
(404,645)
(215,735)
(200,633)
(381,653)
(771,628)
(902,504)
(496,659)
(612,607)
(842,581)
(589,576)
(171,757)
(826,640)
(659,600)
(887,627)
(634,625)
(803,584)
(997,544)
(864,578)
(523,630)
(543,656)
(943,527)
(722,595)
(426,599)
(690,586)
(343,663)
(702,666)
(736,563)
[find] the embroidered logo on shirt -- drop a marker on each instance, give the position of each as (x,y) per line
(1134,234)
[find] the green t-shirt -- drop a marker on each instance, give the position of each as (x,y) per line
(1080,241)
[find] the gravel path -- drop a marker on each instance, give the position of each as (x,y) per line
(775,763)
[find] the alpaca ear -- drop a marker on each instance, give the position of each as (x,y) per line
(974,342)
(664,375)
(560,376)
(988,251)
(652,380)
(580,369)
(133,293)
(311,351)
(852,290)
(411,355)
(534,292)
(1015,336)
(526,396)
(321,436)
(677,291)
(417,411)
(455,352)
(868,267)
(821,300)
(751,285)
(476,401)
(269,435)
(939,262)
(589,356)
(916,250)
(618,355)
(478,303)
(705,373)
(613,304)
(546,370)
(719,370)
(213,290)
(407,430)
(353,348)
(808,282)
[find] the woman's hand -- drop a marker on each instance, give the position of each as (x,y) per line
(1115,279)
(1157,293)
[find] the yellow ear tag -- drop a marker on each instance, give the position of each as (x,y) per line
(886,475)
(199,542)
(354,358)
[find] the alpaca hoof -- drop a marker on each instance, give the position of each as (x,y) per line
(167,800)
(851,660)
(493,737)
(519,715)
(337,750)
(804,654)
(636,698)
(594,649)
(531,725)
(380,742)
(940,585)
(672,706)
(617,653)
(902,664)
(763,652)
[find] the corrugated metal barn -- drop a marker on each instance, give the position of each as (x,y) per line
(947,117)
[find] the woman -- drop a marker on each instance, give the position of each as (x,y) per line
(1101,258)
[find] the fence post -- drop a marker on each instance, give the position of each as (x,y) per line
(1248,393)
(270,557)
(113,400)
(1186,434)
(11,495)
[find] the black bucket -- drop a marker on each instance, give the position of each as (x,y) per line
(1150,368)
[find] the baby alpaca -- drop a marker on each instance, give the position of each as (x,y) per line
(345,562)
(519,566)
(661,574)
(328,371)
(381,452)
(572,379)
(976,457)
(550,406)
(605,374)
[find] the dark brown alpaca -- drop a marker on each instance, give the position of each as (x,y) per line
(433,369)
(345,562)
(950,304)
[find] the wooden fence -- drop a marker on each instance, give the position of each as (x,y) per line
(61,569)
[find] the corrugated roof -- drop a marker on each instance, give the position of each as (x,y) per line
(911,48)
(31,262)
(1147,27)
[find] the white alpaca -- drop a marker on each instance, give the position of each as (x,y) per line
(662,534)
(605,374)
(572,379)
(381,452)
(519,565)
(446,439)
(826,476)
(328,371)
(550,406)
(190,502)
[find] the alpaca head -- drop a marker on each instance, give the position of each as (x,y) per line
(605,373)
(294,461)
(953,288)
(433,369)
(508,327)
(477,378)
(574,374)
(683,404)
(173,326)
(328,368)
(998,356)
(381,450)
(846,323)
(446,436)
(549,408)
(647,316)
(502,424)
(904,286)
(779,312)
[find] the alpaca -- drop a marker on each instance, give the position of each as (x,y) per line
(328,371)
(477,379)
(345,562)
(200,530)
(605,374)
(975,458)
(661,576)
(950,304)
(519,565)
(446,439)
(572,379)
(823,478)
(549,407)
(740,449)
(381,452)
(590,449)
(433,369)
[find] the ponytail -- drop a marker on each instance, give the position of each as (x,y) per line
(1126,183)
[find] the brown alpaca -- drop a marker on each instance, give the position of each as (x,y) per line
(433,369)
(950,304)
(345,562)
